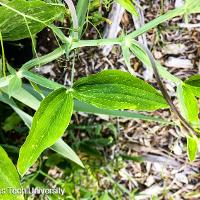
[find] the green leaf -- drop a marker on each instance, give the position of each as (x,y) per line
(127,58)
(63,149)
(194,80)
(81,9)
(38,79)
(188,104)
(88,108)
(44,59)
(142,56)
(14,85)
(4,81)
(20,19)
(114,89)
(128,5)
(11,122)
(192,6)
(60,146)
(9,178)
(194,83)
(24,116)
(25,97)
(192,147)
(49,123)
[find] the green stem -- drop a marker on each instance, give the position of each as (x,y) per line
(98,42)
(167,16)
(3,56)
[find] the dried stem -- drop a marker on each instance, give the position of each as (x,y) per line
(183,121)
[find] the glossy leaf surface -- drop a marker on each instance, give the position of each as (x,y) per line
(49,123)
(114,89)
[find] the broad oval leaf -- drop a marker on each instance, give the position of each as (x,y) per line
(20,18)
(9,178)
(49,123)
(192,147)
(114,89)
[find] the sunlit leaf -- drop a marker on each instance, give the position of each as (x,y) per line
(194,83)
(128,5)
(188,104)
(49,123)
(14,85)
(20,18)
(192,147)
(114,89)
(9,178)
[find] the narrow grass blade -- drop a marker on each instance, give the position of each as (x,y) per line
(169,15)
(40,80)
(142,56)
(24,116)
(63,149)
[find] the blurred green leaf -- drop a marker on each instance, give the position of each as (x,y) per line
(89,150)
(11,122)
(20,18)
(192,147)
(105,196)
(194,83)
(127,58)
(114,89)
(24,116)
(128,5)
(63,149)
(4,81)
(192,6)
(194,80)
(38,79)
(81,9)
(188,104)
(98,142)
(9,178)
(49,123)
(88,108)
(54,160)
(15,84)
(143,57)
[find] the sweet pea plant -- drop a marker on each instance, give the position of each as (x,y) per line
(108,92)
